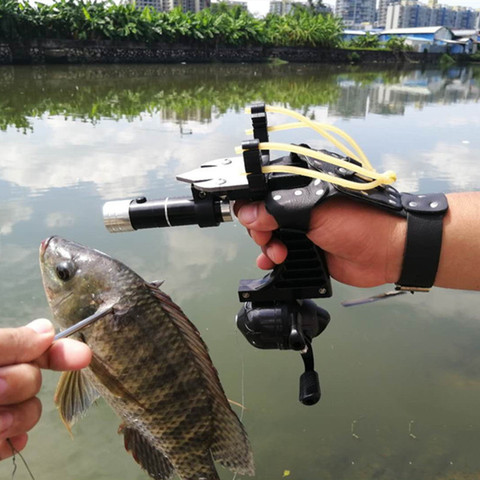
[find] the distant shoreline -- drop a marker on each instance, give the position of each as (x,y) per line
(39,52)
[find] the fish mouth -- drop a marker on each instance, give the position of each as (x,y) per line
(44,245)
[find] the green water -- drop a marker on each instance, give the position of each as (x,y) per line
(400,378)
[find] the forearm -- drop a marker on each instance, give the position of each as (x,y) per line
(365,245)
(459,265)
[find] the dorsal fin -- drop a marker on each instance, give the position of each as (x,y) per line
(149,458)
(230,445)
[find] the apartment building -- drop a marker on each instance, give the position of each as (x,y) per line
(281,7)
(284,7)
(167,5)
(382,11)
(411,13)
(356,12)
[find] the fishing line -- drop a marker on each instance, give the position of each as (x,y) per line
(242,383)
(14,460)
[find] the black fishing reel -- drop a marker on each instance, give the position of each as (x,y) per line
(287,326)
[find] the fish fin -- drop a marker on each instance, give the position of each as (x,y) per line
(109,380)
(157,283)
(149,458)
(230,445)
(74,394)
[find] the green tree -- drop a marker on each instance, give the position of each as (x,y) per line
(397,44)
(365,41)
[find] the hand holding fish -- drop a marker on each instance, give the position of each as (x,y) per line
(364,246)
(23,352)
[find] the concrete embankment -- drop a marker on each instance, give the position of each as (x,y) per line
(87,52)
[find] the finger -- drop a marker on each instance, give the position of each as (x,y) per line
(264,262)
(66,354)
(19,418)
(16,444)
(255,217)
(260,238)
(25,344)
(276,251)
(19,382)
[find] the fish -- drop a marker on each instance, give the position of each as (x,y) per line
(149,363)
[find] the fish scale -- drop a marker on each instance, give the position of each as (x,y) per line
(149,364)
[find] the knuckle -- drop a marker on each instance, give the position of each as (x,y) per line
(22,381)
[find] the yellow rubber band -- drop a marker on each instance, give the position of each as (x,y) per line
(366,171)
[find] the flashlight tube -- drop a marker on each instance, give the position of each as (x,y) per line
(128,215)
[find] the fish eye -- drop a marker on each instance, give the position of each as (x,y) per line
(65,271)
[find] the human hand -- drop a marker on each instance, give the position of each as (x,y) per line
(363,245)
(23,352)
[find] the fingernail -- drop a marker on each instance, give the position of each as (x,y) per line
(248,213)
(270,252)
(41,325)
(6,421)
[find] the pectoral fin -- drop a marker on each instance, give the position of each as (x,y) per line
(149,458)
(74,394)
(110,381)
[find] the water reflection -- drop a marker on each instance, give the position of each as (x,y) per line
(73,137)
(134,92)
(386,96)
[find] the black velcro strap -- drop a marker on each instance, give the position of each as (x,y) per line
(424,240)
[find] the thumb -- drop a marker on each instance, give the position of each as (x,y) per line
(25,344)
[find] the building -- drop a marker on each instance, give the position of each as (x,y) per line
(412,13)
(466,41)
(442,15)
(465,18)
(167,5)
(382,11)
(280,7)
(408,14)
(430,39)
(243,5)
(356,12)
(283,7)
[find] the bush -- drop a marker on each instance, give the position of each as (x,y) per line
(397,44)
(365,41)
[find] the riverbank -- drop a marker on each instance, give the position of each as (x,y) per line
(38,52)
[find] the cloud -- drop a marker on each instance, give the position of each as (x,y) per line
(11,214)
(116,157)
(59,219)
(455,163)
(449,162)
(187,259)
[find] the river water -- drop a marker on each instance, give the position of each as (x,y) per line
(400,378)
